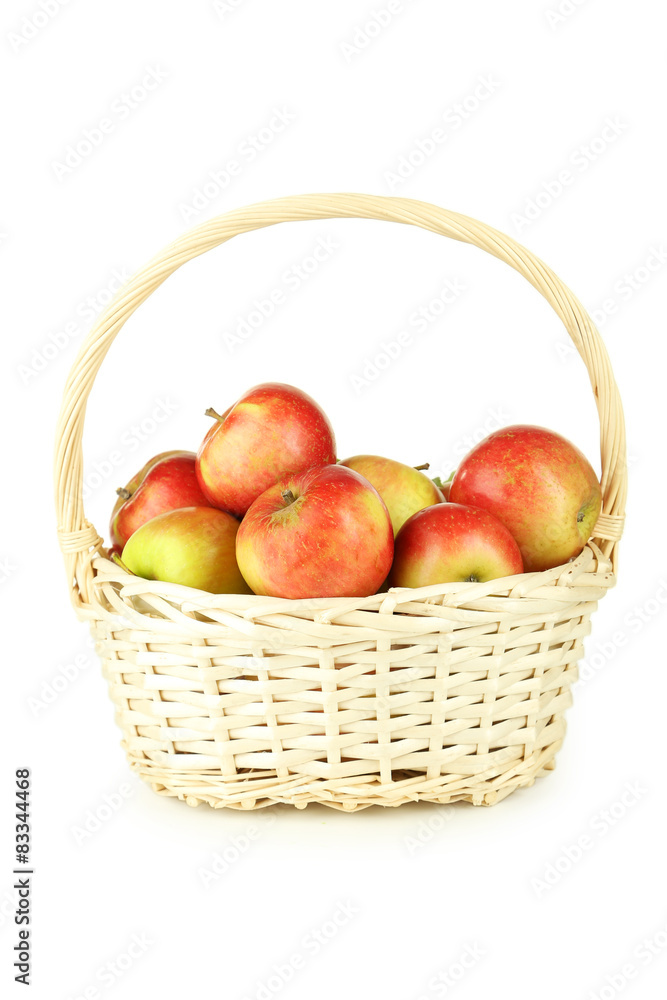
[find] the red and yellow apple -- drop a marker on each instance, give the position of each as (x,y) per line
(404,489)
(448,542)
(539,485)
(271,430)
(192,546)
(324,532)
(166,482)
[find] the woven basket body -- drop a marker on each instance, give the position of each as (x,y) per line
(453,692)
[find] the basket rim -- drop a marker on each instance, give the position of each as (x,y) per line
(591,561)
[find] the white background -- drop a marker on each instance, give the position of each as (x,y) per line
(537,916)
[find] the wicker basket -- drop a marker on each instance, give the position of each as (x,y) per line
(454,692)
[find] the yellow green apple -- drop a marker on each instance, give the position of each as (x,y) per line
(404,489)
(193,546)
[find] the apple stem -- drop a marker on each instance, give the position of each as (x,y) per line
(123,493)
(288,496)
(421,468)
(213,413)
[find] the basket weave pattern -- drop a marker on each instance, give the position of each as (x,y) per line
(453,692)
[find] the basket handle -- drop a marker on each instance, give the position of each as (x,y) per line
(78,539)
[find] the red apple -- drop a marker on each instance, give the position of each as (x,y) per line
(273,429)
(166,482)
(539,485)
(449,542)
(193,546)
(404,489)
(321,533)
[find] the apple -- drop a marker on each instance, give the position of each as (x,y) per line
(539,485)
(404,488)
(193,546)
(130,487)
(271,430)
(324,532)
(167,481)
(446,487)
(449,542)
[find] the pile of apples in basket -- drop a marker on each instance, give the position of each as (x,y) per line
(265,507)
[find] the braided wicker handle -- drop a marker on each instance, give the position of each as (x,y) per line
(78,538)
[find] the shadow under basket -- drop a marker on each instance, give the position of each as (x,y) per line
(446,693)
